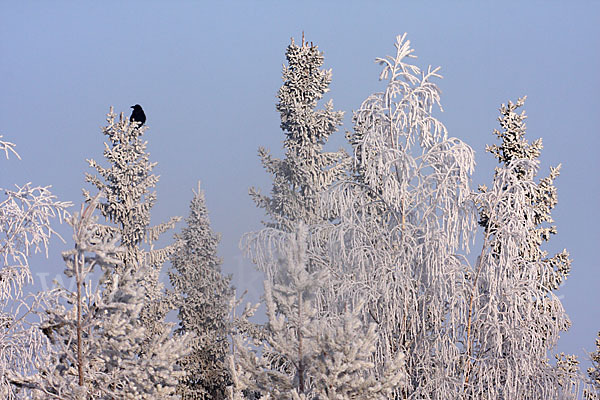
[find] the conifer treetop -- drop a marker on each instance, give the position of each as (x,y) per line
(127,185)
(127,182)
(306,170)
(543,195)
(202,296)
(305,83)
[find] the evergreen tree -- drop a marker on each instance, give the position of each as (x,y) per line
(306,170)
(542,198)
(99,348)
(202,296)
(304,356)
(514,318)
(593,392)
(127,184)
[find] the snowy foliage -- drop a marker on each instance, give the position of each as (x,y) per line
(127,185)
(400,244)
(593,392)
(99,345)
(305,356)
(26,213)
(371,288)
(514,318)
(306,170)
(402,220)
(512,321)
(542,198)
(202,296)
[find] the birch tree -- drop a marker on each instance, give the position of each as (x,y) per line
(202,295)
(26,217)
(306,169)
(403,220)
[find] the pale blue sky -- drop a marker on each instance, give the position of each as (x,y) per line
(207,74)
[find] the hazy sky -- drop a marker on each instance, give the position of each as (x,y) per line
(207,73)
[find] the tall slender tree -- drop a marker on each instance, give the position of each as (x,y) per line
(299,181)
(202,296)
(542,198)
(306,169)
(126,184)
(514,318)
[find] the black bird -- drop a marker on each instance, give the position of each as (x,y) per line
(138,115)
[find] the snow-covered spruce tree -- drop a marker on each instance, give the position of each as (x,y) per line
(543,197)
(127,185)
(319,358)
(306,170)
(593,392)
(26,214)
(202,295)
(402,222)
(514,318)
(100,349)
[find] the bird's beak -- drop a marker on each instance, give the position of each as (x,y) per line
(131,107)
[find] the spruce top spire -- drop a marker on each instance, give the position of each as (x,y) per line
(202,295)
(306,170)
(127,184)
(542,196)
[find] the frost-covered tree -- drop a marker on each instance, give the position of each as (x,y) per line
(127,183)
(306,169)
(26,214)
(402,240)
(202,296)
(302,355)
(403,220)
(514,318)
(593,392)
(100,348)
(399,247)
(542,199)
(508,338)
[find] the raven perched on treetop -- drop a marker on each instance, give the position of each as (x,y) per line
(138,115)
